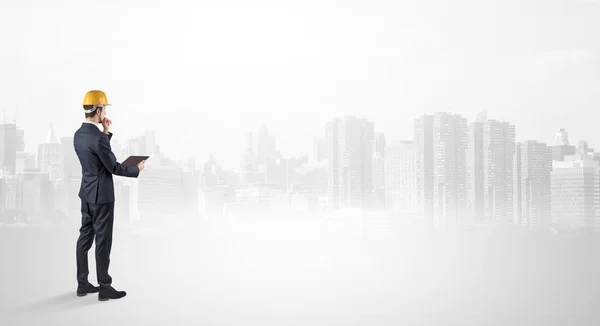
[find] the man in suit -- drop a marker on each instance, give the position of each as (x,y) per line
(98,164)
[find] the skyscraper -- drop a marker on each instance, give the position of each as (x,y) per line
(160,194)
(150,139)
(449,172)
(20,140)
(378,171)
(49,156)
(311,179)
(377,200)
(333,163)
(475,172)
(561,138)
(276,171)
(575,192)
(423,138)
(533,169)
(349,141)
(2,199)
(561,146)
(249,160)
(293,163)
(319,151)
(12,187)
(68,159)
(25,161)
(401,181)
(36,193)
(8,147)
(380,143)
(265,147)
(498,183)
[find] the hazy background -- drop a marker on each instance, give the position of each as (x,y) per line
(201,74)
(214,68)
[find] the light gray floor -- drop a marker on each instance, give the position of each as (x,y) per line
(298,272)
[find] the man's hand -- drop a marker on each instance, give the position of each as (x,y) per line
(106,124)
(141,165)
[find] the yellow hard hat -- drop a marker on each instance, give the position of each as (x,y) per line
(95,98)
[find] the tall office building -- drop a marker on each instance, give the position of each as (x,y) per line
(441,140)
(141,145)
(294,163)
(423,138)
(559,152)
(150,145)
(475,172)
(265,147)
(26,196)
(2,199)
(562,147)
(210,177)
(159,195)
(380,143)
(189,191)
(349,146)
(498,172)
(401,181)
(49,156)
(9,143)
(12,188)
(20,140)
(584,149)
(561,138)
(333,163)
(378,171)
(68,159)
(249,161)
(36,194)
(276,171)
(449,172)
(213,189)
(481,116)
(377,200)
(311,179)
(25,161)
(575,193)
(319,151)
(533,168)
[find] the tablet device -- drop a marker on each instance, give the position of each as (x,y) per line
(134,160)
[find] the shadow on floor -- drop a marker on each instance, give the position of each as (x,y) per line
(56,303)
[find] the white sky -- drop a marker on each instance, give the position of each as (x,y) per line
(201,73)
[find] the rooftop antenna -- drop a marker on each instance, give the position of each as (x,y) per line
(15,115)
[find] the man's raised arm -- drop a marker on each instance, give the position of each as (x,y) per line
(110,161)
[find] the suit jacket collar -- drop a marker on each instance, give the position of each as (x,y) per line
(89,125)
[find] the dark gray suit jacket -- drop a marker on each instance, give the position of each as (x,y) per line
(98,164)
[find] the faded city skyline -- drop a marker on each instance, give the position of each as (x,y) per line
(191,66)
(320,162)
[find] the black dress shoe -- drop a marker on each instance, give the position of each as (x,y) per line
(85,289)
(110,293)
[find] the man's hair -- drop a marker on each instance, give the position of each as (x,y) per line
(91,114)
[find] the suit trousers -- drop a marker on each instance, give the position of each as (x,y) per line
(96,221)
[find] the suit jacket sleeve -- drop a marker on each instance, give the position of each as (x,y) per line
(110,161)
